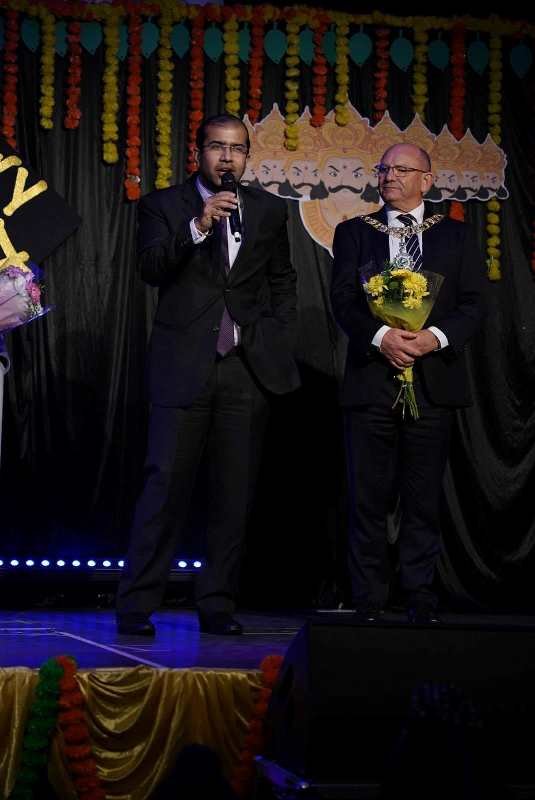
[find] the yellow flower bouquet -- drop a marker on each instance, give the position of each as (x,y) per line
(403,299)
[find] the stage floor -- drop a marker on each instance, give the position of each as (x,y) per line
(28,638)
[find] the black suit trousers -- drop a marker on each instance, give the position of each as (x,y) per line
(386,455)
(225,423)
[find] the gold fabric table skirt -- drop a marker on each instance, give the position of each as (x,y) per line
(139,719)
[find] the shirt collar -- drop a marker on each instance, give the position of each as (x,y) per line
(392,215)
(201,188)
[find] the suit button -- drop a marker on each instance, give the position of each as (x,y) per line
(215,329)
(227,291)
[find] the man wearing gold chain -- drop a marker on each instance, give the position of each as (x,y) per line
(386,453)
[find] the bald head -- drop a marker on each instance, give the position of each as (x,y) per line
(413,151)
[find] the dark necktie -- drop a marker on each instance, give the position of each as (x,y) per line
(412,244)
(225,340)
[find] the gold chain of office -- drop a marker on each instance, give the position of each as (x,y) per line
(407,230)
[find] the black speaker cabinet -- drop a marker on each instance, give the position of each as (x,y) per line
(347,695)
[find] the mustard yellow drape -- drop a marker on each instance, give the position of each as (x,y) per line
(139,719)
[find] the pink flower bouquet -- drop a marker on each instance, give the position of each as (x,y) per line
(20,297)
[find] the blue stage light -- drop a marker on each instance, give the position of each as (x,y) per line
(60,562)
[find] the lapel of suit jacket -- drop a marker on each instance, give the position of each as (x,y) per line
(433,245)
(380,241)
(193,203)
(193,206)
(249,224)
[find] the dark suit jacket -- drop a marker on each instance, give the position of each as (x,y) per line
(259,292)
(449,248)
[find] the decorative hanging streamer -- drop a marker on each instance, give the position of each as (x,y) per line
(256,65)
(521,59)
(457,99)
(242,778)
(73,113)
(132,181)
(419,73)
(291,93)
(48,55)
(110,100)
(341,113)
(11,76)
(164,169)
(380,76)
(76,745)
(319,25)
(231,50)
(495,128)
(39,728)
(196,82)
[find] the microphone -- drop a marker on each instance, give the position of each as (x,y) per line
(228,184)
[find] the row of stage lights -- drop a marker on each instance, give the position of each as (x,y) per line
(91,563)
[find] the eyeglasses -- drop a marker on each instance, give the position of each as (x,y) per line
(398,170)
(219,147)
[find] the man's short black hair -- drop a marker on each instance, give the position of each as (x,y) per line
(219,119)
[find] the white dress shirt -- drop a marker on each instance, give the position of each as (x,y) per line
(392,215)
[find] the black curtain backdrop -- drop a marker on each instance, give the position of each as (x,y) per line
(75,415)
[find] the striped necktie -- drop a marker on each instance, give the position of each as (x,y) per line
(412,244)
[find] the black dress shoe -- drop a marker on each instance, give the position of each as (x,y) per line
(135,625)
(219,622)
(367,613)
(421,609)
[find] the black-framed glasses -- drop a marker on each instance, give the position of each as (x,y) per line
(220,147)
(398,170)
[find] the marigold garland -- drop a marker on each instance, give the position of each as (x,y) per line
(319,71)
(256,66)
(254,741)
(291,83)
(110,100)
(40,725)
(231,50)
(48,55)
(76,740)
(419,73)
(196,82)
(73,113)
(457,100)
(165,103)
(11,76)
(380,76)
(341,113)
(132,182)
(495,127)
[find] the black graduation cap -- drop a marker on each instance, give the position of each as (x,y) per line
(33,217)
